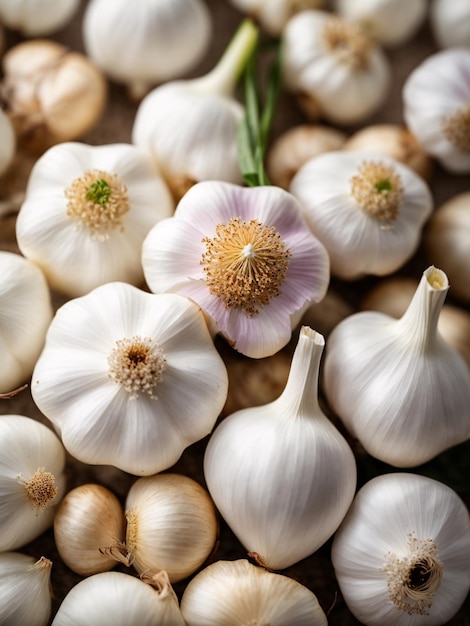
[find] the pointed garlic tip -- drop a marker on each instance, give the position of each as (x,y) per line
(347,42)
(378,190)
(309,333)
(44,565)
(436,278)
(40,488)
(456,128)
(161,583)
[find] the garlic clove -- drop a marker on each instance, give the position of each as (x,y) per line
(37,18)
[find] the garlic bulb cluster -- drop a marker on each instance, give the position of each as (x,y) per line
(25,594)
(273,15)
(395,384)
(367,209)
(52,94)
(450,23)
(87,211)
(119,599)
(167,37)
(189,126)
(282,499)
(436,97)
(236,592)
(7,142)
(37,18)
(32,480)
(401,554)
(26,312)
(336,70)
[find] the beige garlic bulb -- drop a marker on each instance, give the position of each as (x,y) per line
(450,23)
(7,141)
(37,18)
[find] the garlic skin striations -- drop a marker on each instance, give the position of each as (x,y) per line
(436,107)
(129,378)
(401,554)
(26,312)
(86,213)
(367,209)
(234,593)
(32,480)
(25,592)
(395,384)
(336,70)
(120,599)
(168,38)
(7,142)
(450,23)
(37,18)
(285,497)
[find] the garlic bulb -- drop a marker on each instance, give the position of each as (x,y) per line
(234,593)
(119,599)
(189,127)
(282,499)
(86,213)
(447,241)
(32,480)
(89,517)
(168,38)
(129,378)
(390,22)
(436,97)
(395,384)
(25,594)
(26,312)
(52,94)
(367,209)
(7,142)
(401,554)
(35,18)
(337,71)
(450,23)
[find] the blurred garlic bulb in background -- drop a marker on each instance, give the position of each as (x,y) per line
(7,142)
(162,39)
(450,23)
(272,15)
(37,18)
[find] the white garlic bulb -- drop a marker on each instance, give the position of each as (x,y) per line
(233,593)
(367,209)
(26,312)
(32,480)
(7,142)
(119,599)
(337,71)
(282,499)
(189,126)
(35,18)
(395,384)
(450,23)
(163,39)
(436,107)
(25,593)
(87,211)
(402,554)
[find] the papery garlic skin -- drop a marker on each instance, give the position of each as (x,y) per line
(7,141)
(338,72)
(273,15)
(367,209)
(25,593)
(236,592)
(281,475)
(395,384)
(169,37)
(118,599)
(401,554)
(32,479)
(450,23)
(129,379)
(82,232)
(436,107)
(35,18)
(26,312)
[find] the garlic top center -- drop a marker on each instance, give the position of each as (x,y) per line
(98,201)
(137,364)
(456,128)
(40,488)
(245,264)
(378,190)
(347,42)
(413,579)
(132,531)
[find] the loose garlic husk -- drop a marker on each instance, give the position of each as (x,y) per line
(7,142)
(436,107)
(395,384)
(89,517)
(401,554)
(25,592)
(282,499)
(52,94)
(367,209)
(336,70)
(32,480)
(189,127)
(120,599)
(37,18)
(169,37)
(237,593)
(450,23)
